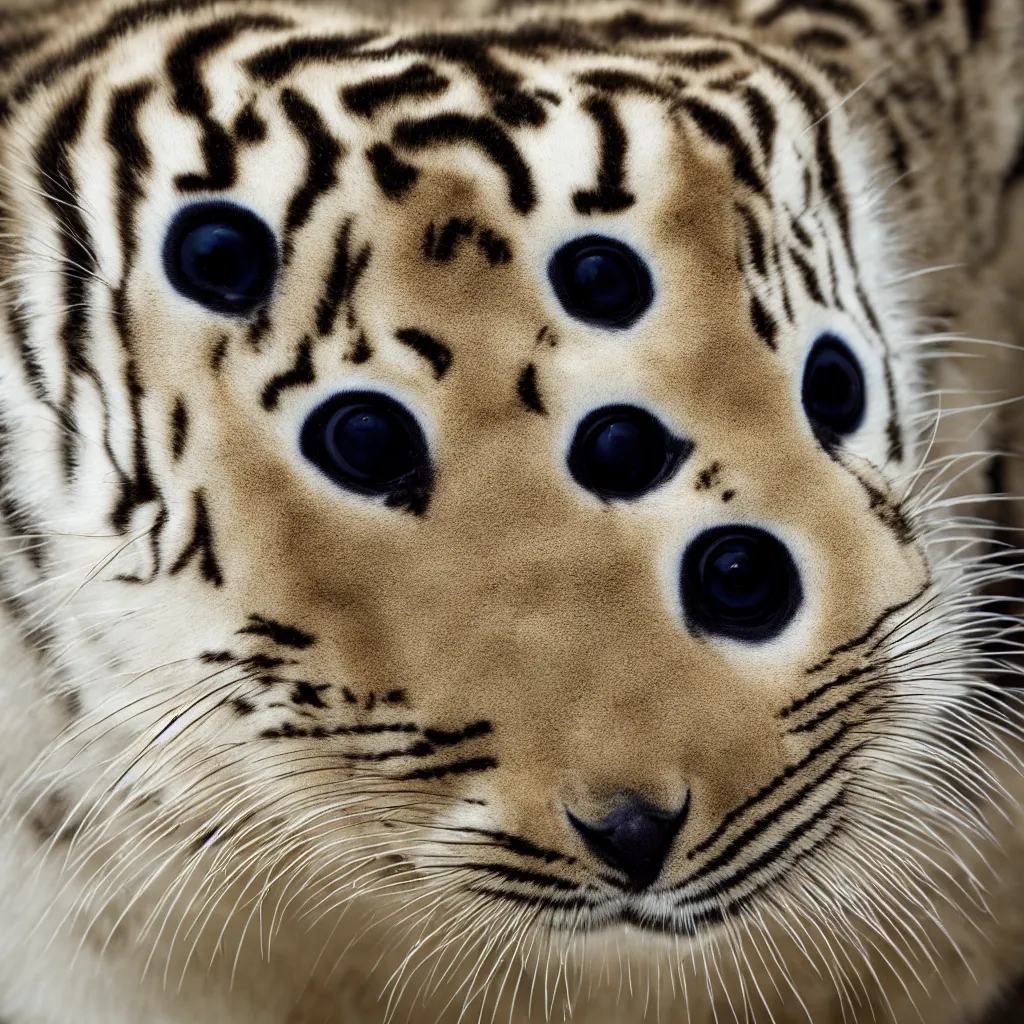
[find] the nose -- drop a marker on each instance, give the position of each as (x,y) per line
(634,839)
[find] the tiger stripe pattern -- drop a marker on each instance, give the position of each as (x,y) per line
(510,508)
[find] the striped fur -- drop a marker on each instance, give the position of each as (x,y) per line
(250,712)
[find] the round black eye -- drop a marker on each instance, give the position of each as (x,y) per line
(739,582)
(601,281)
(833,389)
(221,256)
(621,451)
(370,444)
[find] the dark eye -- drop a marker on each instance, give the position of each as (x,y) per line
(621,451)
(370,444)
(601,281)
(739,582)
(833,390)
(221,256)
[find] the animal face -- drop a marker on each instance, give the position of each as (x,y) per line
(493,440)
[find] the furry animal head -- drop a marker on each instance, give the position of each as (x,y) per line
(470,459)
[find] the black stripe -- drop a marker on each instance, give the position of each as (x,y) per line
(863,638)
(625,82)
(56,179)
(810,278)
(762,114)
(419,749)
(278,633)
(17,47)
(817,113)
(418,81)
(289,731)
(436,352)
(342,280)
(469,766)
(893,431)
(1015,172)
(526,388)
(496,249)
(179,429)
(833,277)
(718,128)
(248,126)
(764,323)
(821,39)
(361,350)
(995,475)
(975,13)
(394,176)
(322,155)
(201,544)
(442,246)
(377,729)
(18,330)
(133,164)
(759,827)
(452,738)
(134,488)
(609,196)
(18,519)
(520,845)
(801,232)
(899,152)
(273,64)
(259,328)
(788,773)
(755,239)
(841,705)
(301,374)
(306,693)
(808,698)
(707,917)
(510,103)
(114,29)
(787,305)
(219,353)
(777,850)
(841,9)
(192,98)
(888,512)
(487,135)
(828,179)
(699,60)
(634,25)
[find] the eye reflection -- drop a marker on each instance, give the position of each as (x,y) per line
(601,281)
(739,582)
(622,451)
(368,443)
(221,256)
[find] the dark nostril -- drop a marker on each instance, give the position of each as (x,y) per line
(634,839)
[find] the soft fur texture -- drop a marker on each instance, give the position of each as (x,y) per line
(271,749)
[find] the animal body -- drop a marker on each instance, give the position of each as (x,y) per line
(501,511)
